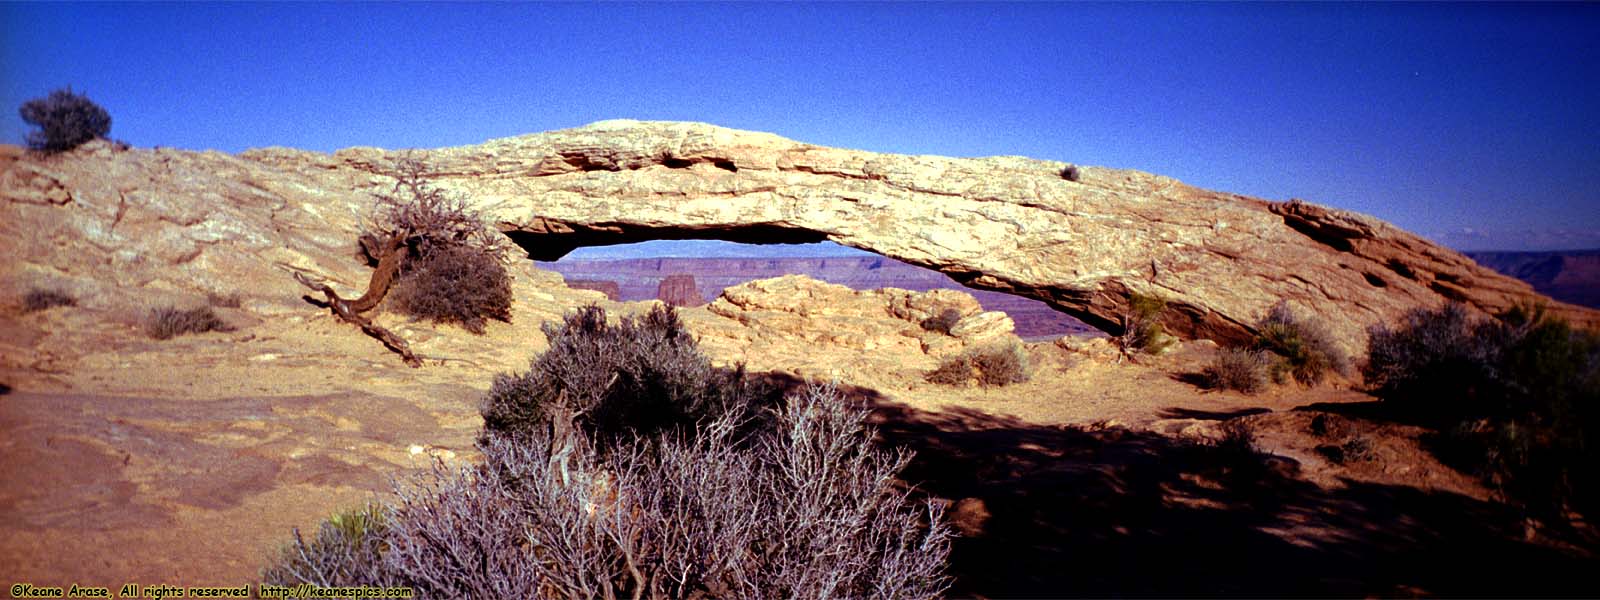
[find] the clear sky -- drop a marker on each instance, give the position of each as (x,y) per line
(1476,125)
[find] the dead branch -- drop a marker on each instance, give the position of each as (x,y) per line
(346,311)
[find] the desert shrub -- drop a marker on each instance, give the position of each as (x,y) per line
(65,120)
(1072,173)
(221,300)
(805,508)
(168,322)
(1522,393)
(996,364)
(942,322)
(1237,440)
(1001,364)
(1305,349)
(454,263)
(1141,325)
(643,375)
(1238,369)
(347,550)
(40,299)
(455,284)
(953,370)
(425,217)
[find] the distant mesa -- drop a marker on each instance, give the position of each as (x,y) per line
(679,290)
(1569,276)
(611,289)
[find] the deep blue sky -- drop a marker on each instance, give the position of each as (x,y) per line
(1476,125)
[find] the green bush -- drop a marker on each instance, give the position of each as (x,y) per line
(1141,325)
(347,551)
(1522,392)
(1238,369)
(455,284)
(42,299)
(168,322)
(942,322)
(65,121)
(1306,350)
(641,376)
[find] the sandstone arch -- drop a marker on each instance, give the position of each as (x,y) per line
(1010,224)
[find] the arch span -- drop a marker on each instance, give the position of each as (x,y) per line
(1008,224)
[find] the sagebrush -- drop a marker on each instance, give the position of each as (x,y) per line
(991,365)
(65,120)
(943,321)
(452,266)
(639,376)
(168,322)
(460,284)
(1238,369)
(1518,397)
(805,508)
(1306,351)
(39,299)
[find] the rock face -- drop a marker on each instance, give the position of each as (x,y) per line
(1009,224)
(611,289)
(679,290)
(173,220)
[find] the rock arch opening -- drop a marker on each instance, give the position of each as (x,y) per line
(691,270)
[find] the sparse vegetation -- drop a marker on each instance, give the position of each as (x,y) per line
(455,284)
(451,267)
(1522,392)
(942,322)
(168,322)
(953,370)
(1305,350)
(638,377)
(41,299)
(804,507)
(1141,325)
(1071,173)
(992,365)
(221,300)
(65,120)
(1238,369)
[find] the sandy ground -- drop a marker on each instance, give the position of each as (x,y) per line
(189,462)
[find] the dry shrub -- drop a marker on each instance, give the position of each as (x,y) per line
(347,550)
(1001,364)
(454,270)
(455,284)
(953,370)
(993,365)
(1141,325)
(168,322)
(806,508)
(637,377)
(1238,369)
(65,120)
(1517,397)
(425,217)
(40,299)
(228,300)
(942,322)
(1306,350)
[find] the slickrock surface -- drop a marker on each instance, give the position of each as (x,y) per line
(1004,223)
(187,460)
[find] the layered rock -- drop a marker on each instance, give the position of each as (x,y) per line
(611,289)
(679,290)
(1002,223)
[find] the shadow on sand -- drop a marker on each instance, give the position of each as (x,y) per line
(1120,513)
